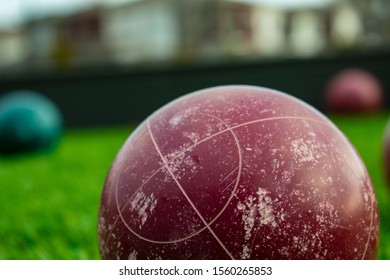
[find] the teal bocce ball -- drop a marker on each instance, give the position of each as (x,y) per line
(29,122)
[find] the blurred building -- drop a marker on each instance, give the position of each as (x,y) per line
(66,41)
(13,48)
(193,31)
(142,31)
(375,18)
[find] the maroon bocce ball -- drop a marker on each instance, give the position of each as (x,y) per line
(238,172)
(353,91)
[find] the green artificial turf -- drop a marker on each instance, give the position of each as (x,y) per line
(49,202)
(367,135)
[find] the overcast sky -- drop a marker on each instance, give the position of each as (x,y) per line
(15,11)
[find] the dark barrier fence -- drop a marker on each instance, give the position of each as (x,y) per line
(111,96)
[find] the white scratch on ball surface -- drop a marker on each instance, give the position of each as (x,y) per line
(175,120)
(144,206)
(133,255)
(306,150)
(256,211)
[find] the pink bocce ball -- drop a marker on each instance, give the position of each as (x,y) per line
(353,91)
